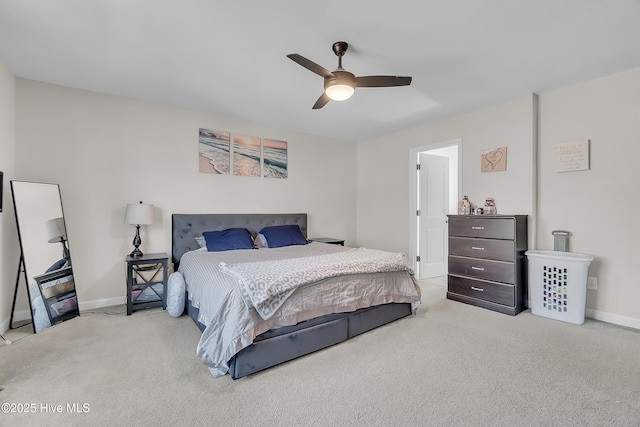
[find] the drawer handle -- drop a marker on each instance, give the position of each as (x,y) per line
(477,289)
(473,227)
(477,248)
(478,268)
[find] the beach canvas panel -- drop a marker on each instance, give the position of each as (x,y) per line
(215,151)
(246,155)
(274,158)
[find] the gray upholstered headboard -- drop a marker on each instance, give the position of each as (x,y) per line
(186,227)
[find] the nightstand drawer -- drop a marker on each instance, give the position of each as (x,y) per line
(498,293)
(501,250)
(471,226)
(498,271)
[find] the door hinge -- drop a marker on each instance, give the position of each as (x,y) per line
(418,212)
(418,166)
(418,258)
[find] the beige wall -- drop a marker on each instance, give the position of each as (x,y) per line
(107,151)
(598,205)
(384,170)
(9,252)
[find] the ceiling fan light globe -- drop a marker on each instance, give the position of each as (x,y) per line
(339,91)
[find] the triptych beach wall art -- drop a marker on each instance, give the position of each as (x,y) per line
(242,155)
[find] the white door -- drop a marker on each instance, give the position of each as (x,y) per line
(433,203)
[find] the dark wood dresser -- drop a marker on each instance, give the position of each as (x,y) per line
(487,265)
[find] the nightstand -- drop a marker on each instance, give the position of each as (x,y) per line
(59,294)
(146,281)
(329,240)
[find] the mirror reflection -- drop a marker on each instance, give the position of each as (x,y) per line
(46,261)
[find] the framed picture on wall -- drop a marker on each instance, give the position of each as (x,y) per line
(494,160)
(214,151)
(247,155)
(573,156)
(275,158)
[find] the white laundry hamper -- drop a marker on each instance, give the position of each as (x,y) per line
(558,284)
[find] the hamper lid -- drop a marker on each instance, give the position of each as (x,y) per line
(559,256)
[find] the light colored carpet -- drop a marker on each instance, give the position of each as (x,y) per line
(451,364)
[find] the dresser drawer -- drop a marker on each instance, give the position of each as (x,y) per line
(498,271)
(471,226)
(501,250)
(498,293)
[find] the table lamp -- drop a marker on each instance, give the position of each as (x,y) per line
(138,214)
(56,232)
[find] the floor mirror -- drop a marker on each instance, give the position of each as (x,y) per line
(45,260)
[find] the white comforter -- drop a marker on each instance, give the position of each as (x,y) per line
(267,284)
(231,320)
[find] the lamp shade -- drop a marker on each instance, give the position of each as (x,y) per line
(55,230)
(138,214)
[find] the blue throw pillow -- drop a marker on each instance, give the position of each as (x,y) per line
(229,239)
(57,266)
(283,235)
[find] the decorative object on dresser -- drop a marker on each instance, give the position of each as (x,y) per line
(487,261)
(138,214)
(464,206)
(146,281)
(490,206)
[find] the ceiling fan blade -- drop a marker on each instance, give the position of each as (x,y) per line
(382,81)
(322,101)
(310,65)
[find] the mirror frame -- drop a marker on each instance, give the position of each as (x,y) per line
(55,287)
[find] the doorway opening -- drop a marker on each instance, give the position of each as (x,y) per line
(436,179)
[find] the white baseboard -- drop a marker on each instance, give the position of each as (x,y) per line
(99,303)
(616,319)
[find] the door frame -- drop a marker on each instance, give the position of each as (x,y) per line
(413,188)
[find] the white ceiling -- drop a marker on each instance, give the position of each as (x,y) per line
(229,57)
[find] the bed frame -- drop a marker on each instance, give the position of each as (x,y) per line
(282,344)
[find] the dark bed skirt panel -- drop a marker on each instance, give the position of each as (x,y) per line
(273,351)
(282,344)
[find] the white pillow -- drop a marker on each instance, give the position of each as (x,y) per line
(201,241)
(175,294)
(260,241)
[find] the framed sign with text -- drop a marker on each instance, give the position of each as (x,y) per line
(573,156)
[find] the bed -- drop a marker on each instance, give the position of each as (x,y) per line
(238,338)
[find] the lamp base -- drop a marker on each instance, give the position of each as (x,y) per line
(136,253)
(137,241)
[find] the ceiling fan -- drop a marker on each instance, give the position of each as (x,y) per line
(340,84)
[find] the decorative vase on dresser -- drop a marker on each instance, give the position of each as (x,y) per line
(487,265)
